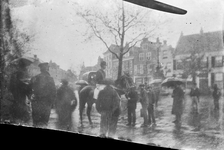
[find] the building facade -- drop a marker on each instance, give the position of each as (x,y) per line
(141,62)
(210,47)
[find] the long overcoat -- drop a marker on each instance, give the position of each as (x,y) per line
(178,97)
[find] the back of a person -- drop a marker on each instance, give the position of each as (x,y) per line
(151,96)
(65,94)
(42,85)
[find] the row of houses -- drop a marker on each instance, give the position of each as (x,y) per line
(141,61)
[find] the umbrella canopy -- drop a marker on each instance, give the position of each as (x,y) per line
(81,82)
(25,60)
(156,81)
(171,82)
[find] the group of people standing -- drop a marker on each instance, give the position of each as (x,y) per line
(33,99)
(38,95)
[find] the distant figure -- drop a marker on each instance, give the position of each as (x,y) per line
(132,97)
(20,90)
(216,94)
(178,97)
(195,93)
(44,94)
(145,104)
(66,103)
(151,97)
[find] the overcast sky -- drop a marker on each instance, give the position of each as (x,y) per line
(58,33)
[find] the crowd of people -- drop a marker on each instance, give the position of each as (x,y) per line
(34,99)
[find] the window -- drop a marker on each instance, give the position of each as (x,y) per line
(168,65)
(138,69)
(135,69)
(165,54)
(130,66)
(141,69)
(179,65)
(148,55)
(149,69)
(218,61)
(204,62)
(219,76)
(141,56)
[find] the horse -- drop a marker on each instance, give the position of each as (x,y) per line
(121,85)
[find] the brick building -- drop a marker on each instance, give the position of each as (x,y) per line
(140,62)
(210,45)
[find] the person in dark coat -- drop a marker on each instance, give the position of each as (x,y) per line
(66,102)
(145,104)
(195,93)
(108,106)
(20,90)
(100,74)
(100,79)
(132,97)
(216,96)
(43,96)
(178,97)
(151,97)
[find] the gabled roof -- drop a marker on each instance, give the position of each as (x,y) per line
(205,42)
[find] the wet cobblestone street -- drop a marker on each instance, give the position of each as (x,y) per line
(197,131)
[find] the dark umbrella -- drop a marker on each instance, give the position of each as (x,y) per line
(25,60)
(171,82)
(81,82)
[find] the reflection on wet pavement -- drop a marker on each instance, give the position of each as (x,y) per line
(203,130)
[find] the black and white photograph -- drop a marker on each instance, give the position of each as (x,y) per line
(146,72)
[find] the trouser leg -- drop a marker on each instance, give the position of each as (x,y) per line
(103,123)
(129,116)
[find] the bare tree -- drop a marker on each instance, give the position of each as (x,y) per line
(192,63)
(122,27)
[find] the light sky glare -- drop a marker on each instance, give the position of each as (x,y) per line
(59,32)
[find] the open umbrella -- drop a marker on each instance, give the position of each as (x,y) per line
(171,82)
(81,82)
(156,81)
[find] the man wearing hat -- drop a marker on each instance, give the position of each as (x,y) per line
(20,109)
(66,103)
(151,97)
(43,96)
(100,78)
(145,103)
(132,97)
